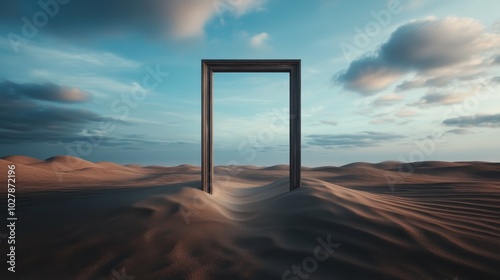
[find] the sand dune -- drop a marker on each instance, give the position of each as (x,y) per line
(440,221)
(22,159)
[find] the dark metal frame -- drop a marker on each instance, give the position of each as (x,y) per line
(208,68)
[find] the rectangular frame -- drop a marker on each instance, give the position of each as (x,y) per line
(208,68)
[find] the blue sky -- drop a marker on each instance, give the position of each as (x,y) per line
(120,81)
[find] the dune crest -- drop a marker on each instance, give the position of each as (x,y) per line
(21,159)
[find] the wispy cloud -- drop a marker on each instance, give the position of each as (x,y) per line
(72,57)
(441,98)
(492,121)
(31,113)
(96,72)
(334,123)
(47,91)
(405,113)
(382,121)
(387,100)
(361,139)
(459,131)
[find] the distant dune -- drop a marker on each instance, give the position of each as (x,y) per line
(22,159)
(84,220)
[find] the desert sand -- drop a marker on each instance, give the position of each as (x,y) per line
(85,220)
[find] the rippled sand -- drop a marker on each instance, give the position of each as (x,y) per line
(84,220)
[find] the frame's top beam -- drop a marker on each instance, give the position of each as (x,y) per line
(251,65)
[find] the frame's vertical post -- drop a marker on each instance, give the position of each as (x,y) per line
(206,129)
(295,126)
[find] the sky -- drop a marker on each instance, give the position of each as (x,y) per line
(119,80)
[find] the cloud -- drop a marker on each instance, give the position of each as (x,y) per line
(496,80)
(240,7)
(47,92)
(405,113)
(434,43)
(361,139)
(492,121)
(387,100)
(423,83)
(258,41)
(497,60)
(334,123)
(33,113)
(459,131)
(69,58)
(81,58)
(155,18)
(414,4)
(22,111)
(439,98)
(438,51)
(18,115)
(368,75)
(381,121)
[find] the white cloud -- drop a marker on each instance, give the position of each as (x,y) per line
(386,100)
(405,113)
(258,41)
